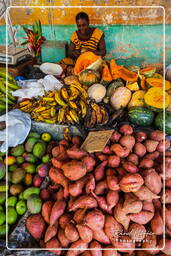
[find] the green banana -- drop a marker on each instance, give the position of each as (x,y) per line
(3,75)
(10,102)
(13,86)
(3,89)
(2,107)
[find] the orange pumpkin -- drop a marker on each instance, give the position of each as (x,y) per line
(114,70)
(106,75)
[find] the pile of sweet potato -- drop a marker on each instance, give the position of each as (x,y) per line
(109,199)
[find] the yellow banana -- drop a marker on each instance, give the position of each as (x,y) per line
(66,134)
(68,117)
(23,103)
(52,111)
(48,99)
(81,89)
(74,115)
(61,114)
(74,93)
(83,108)
(52,103)
(50,121)
(72,104)
(27,108)
(105,115)
(39,109)
(99,115)
(59,100)
(64,94)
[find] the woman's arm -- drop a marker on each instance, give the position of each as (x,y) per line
(101,47)
(72,53)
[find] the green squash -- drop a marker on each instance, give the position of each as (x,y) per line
(115,84)
(160,119)
(140,116)
(148,72)
(89,77)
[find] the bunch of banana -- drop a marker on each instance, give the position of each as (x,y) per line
(96,115)
(7,85)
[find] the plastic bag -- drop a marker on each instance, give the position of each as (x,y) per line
(51,83)
(18,125)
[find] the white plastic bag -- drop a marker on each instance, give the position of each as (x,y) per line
(51,83)
(18,125)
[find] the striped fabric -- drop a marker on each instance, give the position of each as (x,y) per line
(92,43)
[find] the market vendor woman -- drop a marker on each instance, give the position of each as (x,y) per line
(86,38)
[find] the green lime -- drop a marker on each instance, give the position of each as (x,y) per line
(2,197)
(13,167)
(46,136)
(46,158)
(21,207)
(2,217)
(20,159)
(1,208)
(12,200)
(20,196)
(12,215)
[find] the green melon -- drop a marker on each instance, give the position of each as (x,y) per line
(140,116)
(159,121)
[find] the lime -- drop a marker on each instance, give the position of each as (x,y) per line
(46,136)
(12,200)
(2,217)
(1,208)
(20,160)
(21,207)
(46,158)
(2,197)
(13,167)
(12,215)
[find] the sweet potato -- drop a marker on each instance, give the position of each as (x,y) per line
(59,195)
(110,171)
(157,204)
(46,210)
(94,220)
(167,196)
(54,243)
(99,170)
(36,225)
(112,252)
(167,170)
(124,243)
(64,220)
(121,216)
(142,217)
(156,135)
(150,242)
(118,150)
(115,137)
(94,245)
(71,232)
(139,149)
(57,150)
(76,188)
(107,150)
(112,198)
(152,180)
(57,211)
(89,163)
(102,203)
(113,161)
(168,218)
(132,204)
(80,247)
(121,171)
(145,194)
(133,158)
(157,225)
(65,143)
(85,233)
(79,215)
(51,231)
(126,129)
(76,153)
(62,238)
(113,183)
(137,231)
(129,167)
(131,182)
(101,187)
(153,155)
(90,184)
(101,157)
(146,163)
(74,169)
(57,176)
(112,228)
(127,141)
(82,202)
(140,136)
(151,145)
(168,183)
(101,237)
(167,248)
(163,146)
(76,140)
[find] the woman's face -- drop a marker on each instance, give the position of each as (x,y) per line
(83,26)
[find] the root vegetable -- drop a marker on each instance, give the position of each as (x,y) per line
(95,220)
(90,184)
(118,150)
(145,194)
(59,194)
(112,228)
(110,171)
(156,135)
(65,143)
(129,167)
(115,137)
(121,171)
(131,182)
(79,215)
(150,242)
(126,129)
(112,183)
(153,155)
(157,224)
(35,224)
(140,136)
(163,146)
(56,151)
(76,188)
(74,170)
(85,233)
(101,237)
(167,196)
(77,140)
(46,210)
(83,202)
(151,145)
(45,194)
(76,153)
(89,163)
(167,248)
(102,203)
(101,187)
(58,161)
(57,176)
(71,232)
(111,252)
(142,217)
(168,218)
(80,247)
(107,150)
(99,171)
(121,216)
(54,243)
(51,231)
(132,204)
(62,238)
(101,157)
(64,220)
(57,210)
(124,243)
(113,161)
(127,141)
(146,163)
(133,158)
(137,231)
(112,198)
(152,180)
(94,245)
(139,149)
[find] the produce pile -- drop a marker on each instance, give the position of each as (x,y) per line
(28,165)
(96,90)
(108,199)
